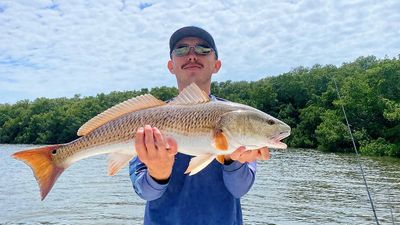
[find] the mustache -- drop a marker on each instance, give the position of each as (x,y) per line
(192,64)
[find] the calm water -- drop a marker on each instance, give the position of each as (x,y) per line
(294,187)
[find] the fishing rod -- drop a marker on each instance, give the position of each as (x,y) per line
(357,156)
(391,209)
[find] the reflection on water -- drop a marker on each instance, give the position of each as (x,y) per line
(294,187)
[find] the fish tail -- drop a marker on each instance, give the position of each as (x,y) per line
(45,170)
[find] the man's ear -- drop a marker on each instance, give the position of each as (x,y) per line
(217,66)
(170,66)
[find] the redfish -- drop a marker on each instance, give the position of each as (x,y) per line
(202,128)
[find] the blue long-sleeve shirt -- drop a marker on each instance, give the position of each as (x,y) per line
(211,196)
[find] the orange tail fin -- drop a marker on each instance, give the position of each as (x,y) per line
(42,165)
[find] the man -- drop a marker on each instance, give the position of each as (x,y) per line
(213,195)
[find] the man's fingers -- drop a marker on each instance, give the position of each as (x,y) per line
(242,155)
(237,153)
(248,156)
(172,146)
(149,141)
(158,139)
(139,144)
(265,155)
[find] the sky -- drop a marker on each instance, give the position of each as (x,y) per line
(63,48)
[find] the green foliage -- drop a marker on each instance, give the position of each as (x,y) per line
(332,134)
(304,98)
(379,147)
(392,110)
(304,133)
(164,93)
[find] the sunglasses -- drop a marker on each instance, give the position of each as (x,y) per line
(198,49)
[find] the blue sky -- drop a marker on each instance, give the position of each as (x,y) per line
(62,48)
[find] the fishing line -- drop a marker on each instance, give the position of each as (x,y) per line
(391,208)
(357,156)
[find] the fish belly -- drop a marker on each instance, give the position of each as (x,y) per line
(195,145)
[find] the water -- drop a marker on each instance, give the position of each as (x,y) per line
(294,187)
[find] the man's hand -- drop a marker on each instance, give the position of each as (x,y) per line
(242,155)
(151,148)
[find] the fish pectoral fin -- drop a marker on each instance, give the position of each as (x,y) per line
(117,161)
(198,163)
(220,141)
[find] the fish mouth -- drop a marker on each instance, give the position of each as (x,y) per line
(278,145)
(276,140)
(282,135)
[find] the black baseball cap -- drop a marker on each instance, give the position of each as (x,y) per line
(191,31)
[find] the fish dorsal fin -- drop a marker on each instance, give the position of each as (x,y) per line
(130,105)
(192,94)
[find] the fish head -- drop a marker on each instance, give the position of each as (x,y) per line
(253,129)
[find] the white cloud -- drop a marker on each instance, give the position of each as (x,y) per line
(63,48)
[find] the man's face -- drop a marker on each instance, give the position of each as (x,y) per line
(193,68)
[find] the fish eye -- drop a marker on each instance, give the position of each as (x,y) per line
(271,122)
(54,152)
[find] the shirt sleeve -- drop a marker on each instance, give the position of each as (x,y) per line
(239,177)
(144,185)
